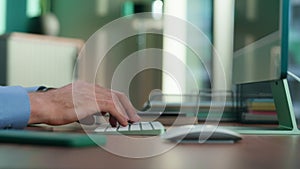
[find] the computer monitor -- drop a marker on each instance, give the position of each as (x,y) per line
(294,56)
(261,40)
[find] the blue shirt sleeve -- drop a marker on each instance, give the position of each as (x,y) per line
(32,89)
(14,107)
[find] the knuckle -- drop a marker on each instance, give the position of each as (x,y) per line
(107,104)
(114,95)
(110,104)
(122,95)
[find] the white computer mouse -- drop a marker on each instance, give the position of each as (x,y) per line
(201,134)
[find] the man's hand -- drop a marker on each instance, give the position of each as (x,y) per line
(78,101)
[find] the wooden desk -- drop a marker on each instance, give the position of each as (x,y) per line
(282,152)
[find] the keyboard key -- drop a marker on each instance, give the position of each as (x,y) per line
(111,129)
(102,128)
(140,128)
(121,128)
(146,126)
(157,125)
(134,127)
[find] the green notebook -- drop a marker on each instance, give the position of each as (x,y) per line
(51,138)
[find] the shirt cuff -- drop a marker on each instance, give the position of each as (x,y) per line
(32,89)
(14,107)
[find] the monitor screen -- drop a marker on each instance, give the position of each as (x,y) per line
(260,40)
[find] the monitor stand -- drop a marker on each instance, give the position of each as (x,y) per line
(285,113)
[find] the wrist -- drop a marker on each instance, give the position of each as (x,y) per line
(38,111)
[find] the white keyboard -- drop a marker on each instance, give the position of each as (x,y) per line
(140,128)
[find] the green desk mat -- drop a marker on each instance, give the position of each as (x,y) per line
(51,138)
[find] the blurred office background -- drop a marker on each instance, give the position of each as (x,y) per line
(80,19)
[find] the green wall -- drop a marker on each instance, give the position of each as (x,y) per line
(16,19)
(80,18)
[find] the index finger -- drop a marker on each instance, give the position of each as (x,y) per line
(130,110)
(110,107)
